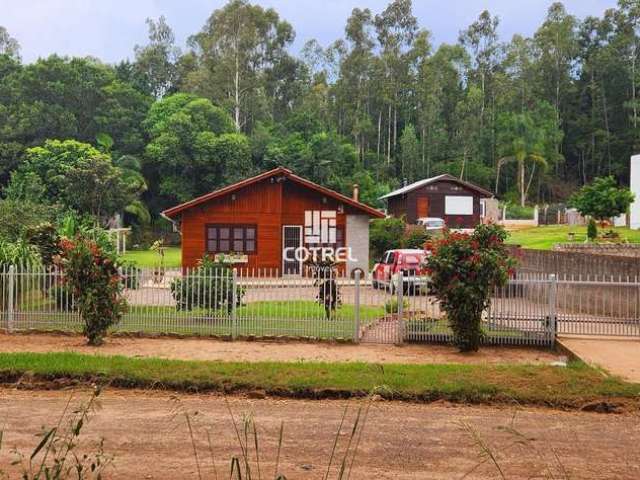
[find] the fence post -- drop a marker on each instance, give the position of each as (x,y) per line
(356,307)
(11,295)
(234,321)
(553,317)
(400,293)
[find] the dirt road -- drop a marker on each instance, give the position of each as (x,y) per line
(400,441)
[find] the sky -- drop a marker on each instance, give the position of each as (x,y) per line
(109,29)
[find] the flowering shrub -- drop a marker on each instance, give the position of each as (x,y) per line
(464,271)
(92,276)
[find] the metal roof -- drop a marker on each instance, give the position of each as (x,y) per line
(427,181)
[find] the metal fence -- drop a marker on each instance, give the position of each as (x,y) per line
(530,310)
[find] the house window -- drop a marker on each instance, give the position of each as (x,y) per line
(231,238)
(454,205)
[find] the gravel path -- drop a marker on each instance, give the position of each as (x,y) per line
(401,441)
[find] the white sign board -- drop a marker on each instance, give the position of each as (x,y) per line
(454,205)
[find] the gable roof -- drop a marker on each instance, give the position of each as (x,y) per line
(173,211)
(427,181)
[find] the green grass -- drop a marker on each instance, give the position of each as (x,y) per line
(300,318)
(150,258)
(545,237)
(539,384)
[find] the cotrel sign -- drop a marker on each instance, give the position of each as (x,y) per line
(320,240)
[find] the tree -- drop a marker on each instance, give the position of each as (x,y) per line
(236,46)
(193,149)
(157,60)
(602,199)
(409,153)
(76,175)
(527,137)
(8,45)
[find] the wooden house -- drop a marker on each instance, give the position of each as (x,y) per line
(262,222)
(445,196)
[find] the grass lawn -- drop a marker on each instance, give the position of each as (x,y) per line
(545,237)
(533,384)
(299,318)
(150,258)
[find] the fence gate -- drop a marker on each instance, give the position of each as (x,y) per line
(599,305)
(381,313)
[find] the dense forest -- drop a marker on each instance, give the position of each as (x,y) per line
(531,119)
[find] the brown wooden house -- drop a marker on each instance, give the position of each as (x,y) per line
(445,196)
(255,220)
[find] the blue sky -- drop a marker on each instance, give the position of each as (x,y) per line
(109,29)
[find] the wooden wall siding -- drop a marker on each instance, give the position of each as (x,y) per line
(267,204)
(436,193)
(258,204)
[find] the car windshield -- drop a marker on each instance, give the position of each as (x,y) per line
(410,258)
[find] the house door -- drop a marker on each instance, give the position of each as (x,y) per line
(291,241)
(422,207)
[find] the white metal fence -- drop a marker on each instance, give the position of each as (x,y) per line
(530,310)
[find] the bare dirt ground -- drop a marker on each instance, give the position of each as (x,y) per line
(150,440)
(619,356)
(209,349)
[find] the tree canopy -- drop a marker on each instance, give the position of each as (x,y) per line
(533,118)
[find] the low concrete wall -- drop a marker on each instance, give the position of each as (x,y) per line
(577,263)
(620,301)
(616,249)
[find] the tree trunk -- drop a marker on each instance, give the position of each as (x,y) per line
(237,89)
(379,134)
(521,181)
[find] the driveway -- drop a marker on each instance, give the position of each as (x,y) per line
(619,356)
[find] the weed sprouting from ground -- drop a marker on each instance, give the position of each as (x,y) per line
(58,456)
(249,463)
(551,469)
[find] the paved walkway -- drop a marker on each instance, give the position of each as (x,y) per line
(619,356)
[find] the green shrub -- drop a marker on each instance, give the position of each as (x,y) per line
(518,212)
(44,237)
(130,274)
(592,230)
(415,238)
(464,270)
(385,234)
(91,274)
(210,286)
(391,305)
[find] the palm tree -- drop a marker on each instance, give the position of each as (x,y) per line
(522,142)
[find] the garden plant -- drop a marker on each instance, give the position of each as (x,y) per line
(464,271)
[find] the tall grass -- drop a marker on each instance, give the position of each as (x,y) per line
(57,455)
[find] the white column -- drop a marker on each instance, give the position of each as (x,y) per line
(634,185)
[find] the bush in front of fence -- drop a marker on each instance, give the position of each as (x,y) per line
(92,276)
(464,269)
(210,287)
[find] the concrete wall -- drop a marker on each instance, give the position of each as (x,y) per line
(599,300)
(576,263)
(357,235)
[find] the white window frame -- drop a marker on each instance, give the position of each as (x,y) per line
(458,205)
